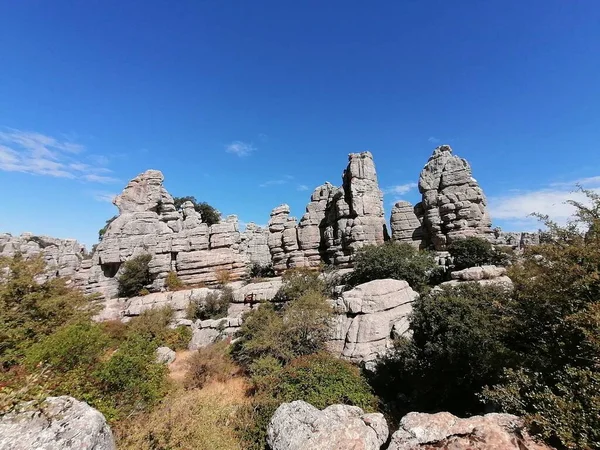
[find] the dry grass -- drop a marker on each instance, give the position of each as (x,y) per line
(198,419)
(211,363)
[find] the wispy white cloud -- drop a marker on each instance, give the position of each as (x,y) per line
(400,189)
(516,208)
(240,148)
(302,188)
(433,140)
(276,182)
(39,154)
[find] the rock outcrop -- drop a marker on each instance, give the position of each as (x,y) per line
(337,222)
(484,275)
(454,206)
(63,257)
(299,426)
(515,240)
(59,423)
(178,241)
(443,430)
(368,318)
(406,223)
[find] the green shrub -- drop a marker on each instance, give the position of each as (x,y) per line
(209,214)
(296,282)
(73,345)
(212,363)
(102,230)
(131,379)
(474,251)
(399,261)
(214,306)
(258,270)
(456,349)
(172,282)
(135,276)
(301,328)
(29,310)
(151,324)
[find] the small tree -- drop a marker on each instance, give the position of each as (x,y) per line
(209,214)
(102,230)
(473,252)
(135,276)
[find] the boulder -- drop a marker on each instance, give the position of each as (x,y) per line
(164,355)
(366,317)
(299,426)
(58,423)
(445,431)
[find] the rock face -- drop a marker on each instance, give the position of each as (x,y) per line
(369,316)
(178,241)
(164,355)
(63,257)
(445,431)
(406,223)
(299,426)
(453,204)
(516,240)
(59,423)
(337,222)
(484,275)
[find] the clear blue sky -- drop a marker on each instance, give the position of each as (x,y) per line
(94,92)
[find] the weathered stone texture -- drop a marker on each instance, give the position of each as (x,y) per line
(454,206)
(443,430)
(299,426)
(368,315)
(337,222)
(59,423)
(405,222)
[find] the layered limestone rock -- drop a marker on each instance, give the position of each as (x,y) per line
(454,206)
(337,222)
(484,275)
(63,257)
(406,223)
(299,425)
(58,423)
(443,430)
(254,244)
(369,317)
(179,241)
(516,240)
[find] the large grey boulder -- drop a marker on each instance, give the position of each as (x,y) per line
(368,316)
(164,355)
(443,430)
(300,426)
(59,423)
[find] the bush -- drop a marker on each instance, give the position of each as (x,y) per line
(223,277)
(474,251)
(172,282)
(30,310)
(258,270)
(457,348)
(135,276)
(214,306)
(102,230)
(301,328)
(296,282)
(399,261)
(209,214)
(212,363)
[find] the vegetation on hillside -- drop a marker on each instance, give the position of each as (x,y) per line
(475,251)
(135,276)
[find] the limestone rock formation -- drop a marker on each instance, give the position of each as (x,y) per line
(63,257)
(164,355)
(454,205)
(206,332)
(516,240)
(443,430)
(178,241)
(59,423)
(484,275)
(367,317)
(299,426)
(337,222)
(405,222)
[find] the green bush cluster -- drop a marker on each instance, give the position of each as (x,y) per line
(533,351)
(474,251)
(214,306)
(258,270)
(135,276)
(173,282)
(209,214)
(399,261)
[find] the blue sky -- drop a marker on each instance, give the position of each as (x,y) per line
(248,105)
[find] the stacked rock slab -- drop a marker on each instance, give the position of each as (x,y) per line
(406,223)
(179,241)
(454,206)
(63,257)
(337,222)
